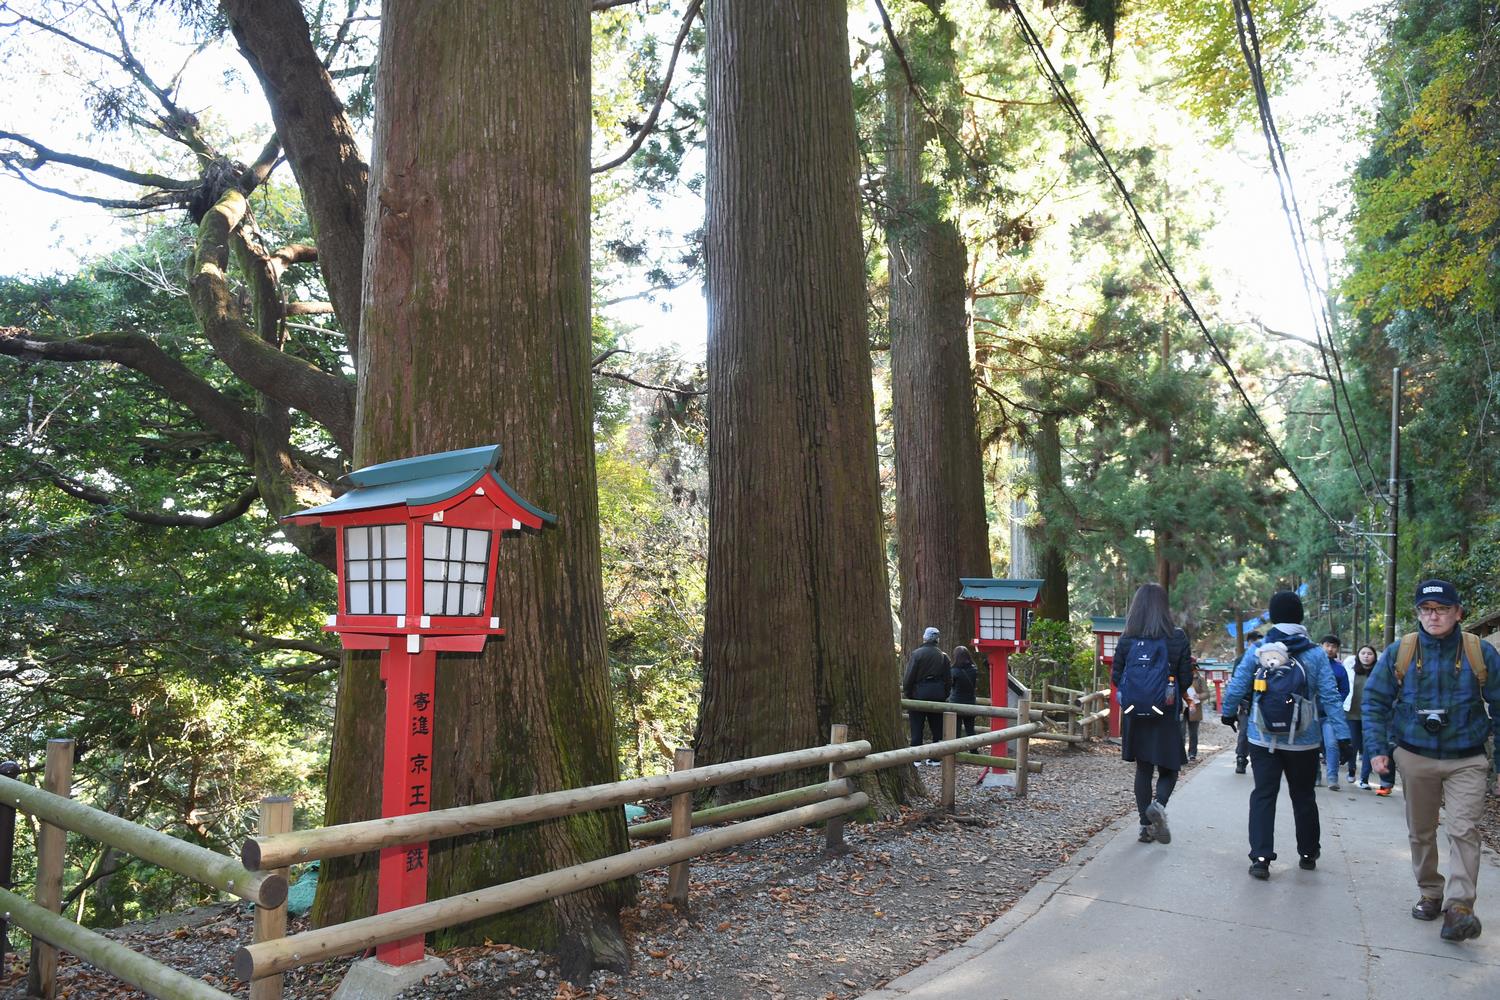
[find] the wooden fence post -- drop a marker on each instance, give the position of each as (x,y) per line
(950,732)
(7,855)
(682,826)
(1023,749)
(1073,717)
(51,853)
(833,833)
(270,922)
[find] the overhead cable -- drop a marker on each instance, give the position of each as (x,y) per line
(1060,89)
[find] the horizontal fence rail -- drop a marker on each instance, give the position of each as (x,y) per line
(981,711)
(267,958)
(199,863)
(119,961)
(910,755)
(280,850)
(746,808)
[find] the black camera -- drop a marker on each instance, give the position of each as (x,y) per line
(1433,719)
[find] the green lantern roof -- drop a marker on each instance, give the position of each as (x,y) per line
(987,589)
(419,481)
(1100,623)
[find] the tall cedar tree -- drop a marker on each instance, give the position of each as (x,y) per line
(476,329)
(798,630)
(941,533)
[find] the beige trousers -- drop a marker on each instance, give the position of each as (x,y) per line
(1456,786)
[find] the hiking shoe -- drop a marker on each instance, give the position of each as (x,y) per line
(1239,765)
(1427,908)
(1260,869)
(1383,790)
(1459,923)
(1307,863)
(1158,817)
(1365,785)
(1146,836)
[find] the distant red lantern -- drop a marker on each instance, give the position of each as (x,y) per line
(1107,632)
(1002,612)
(417,547)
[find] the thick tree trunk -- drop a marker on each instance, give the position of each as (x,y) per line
(941,534)
(798,627)
(1052,563)
(476,330)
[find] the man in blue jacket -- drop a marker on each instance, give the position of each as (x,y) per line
(1427,698)
(1294,754)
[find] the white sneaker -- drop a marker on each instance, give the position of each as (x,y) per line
(1365,785)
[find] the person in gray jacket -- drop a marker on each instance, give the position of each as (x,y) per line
(1293,755)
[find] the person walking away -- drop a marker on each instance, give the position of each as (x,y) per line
(1434,696)
(1364,662)
(1193,711)
(965,680)
(1292,686)
(1151,671)
(928,675)
(1242,715)
(1331,646)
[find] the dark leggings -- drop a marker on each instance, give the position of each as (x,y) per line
(1164,785)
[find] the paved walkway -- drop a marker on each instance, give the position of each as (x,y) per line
(1154,922)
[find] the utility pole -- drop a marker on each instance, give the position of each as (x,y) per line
(1395,500)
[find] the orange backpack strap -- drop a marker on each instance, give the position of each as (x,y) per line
(1474,653)
(1405,653)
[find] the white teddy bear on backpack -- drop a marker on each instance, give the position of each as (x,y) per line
(1271,655)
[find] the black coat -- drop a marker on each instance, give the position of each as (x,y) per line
(1155,740)
(927,673)
(965,679)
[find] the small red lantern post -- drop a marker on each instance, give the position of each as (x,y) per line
(1107,632)
(1001,614)
(416,556)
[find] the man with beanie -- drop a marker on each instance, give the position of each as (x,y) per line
(1427,698)
(928,677)
(1294,753)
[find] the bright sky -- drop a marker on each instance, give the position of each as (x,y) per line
(1249,251)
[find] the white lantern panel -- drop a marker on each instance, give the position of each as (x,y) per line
(434,541)
(474,572)
(359,569)
(359,601)
(432,597)
(476,545)
(395,598)
(395,541)
(356,543)
(473,598)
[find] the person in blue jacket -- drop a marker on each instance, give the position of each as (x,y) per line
(1294,755)
(1332,646)
(1437,716)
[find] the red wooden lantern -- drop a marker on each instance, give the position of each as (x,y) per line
(1107,632)
(1002,611)
(417,548)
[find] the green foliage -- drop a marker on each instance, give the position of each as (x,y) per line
(1059,653)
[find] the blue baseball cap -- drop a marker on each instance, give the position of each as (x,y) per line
(1438,592)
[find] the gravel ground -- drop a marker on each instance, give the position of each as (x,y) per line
(770,920)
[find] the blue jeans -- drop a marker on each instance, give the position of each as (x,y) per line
(1357,734)
(1330,753)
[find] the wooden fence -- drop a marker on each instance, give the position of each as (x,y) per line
(260,874)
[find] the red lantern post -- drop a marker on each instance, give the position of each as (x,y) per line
(1001,613)
(1107,632)
(416,552)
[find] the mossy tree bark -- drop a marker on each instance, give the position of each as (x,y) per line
(1052,547)
(941,533)
(475,330)
(798,629)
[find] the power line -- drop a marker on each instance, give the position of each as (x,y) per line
(1055,81)
(1249,39)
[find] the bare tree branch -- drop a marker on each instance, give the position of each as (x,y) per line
(44,156)
(676,390)
(139,353)
(260,643)
(666,85)
(82,491)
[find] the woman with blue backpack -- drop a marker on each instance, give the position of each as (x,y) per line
(1151,672)
(1291,687)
